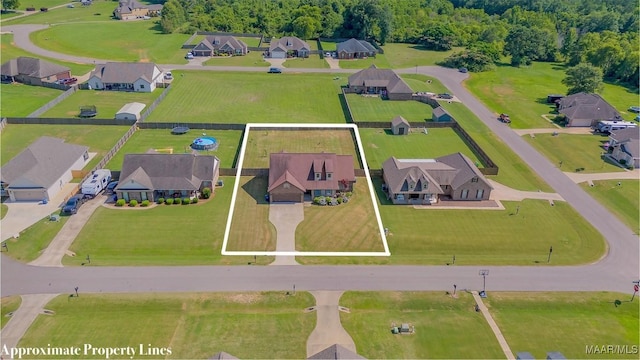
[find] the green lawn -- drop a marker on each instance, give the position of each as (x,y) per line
(253,58)
(621,98)
(574,151)
(203,96)
(328,46)
(313,61)
(409,55)
(380,144)
(194,326)
(445,327)
(107,102)
(100,139)
(8,14)
(3,210)
(419,82)
(99,11)
(34,239)
(8,304)
(250,227)
(364,108)
(20,100)
(143,140)
(250,41)
(379,60)
(623,201)
(41,3)
(566,322)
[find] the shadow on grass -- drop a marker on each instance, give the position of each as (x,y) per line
(345,108)
(377,186)
(257,188)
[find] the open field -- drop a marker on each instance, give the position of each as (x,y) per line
(10,51)
(380,144)
(107,102)
(145,139)
(8,304)
(346,227)
(8,14)
(41,3)
(574,151)
(483,237)
(20,100)
(99,11)
(379,60)
(34,239)
(419,82)
(253,58)
(194,326)
(154,236)
(251,97)
(578,320)
(313,61)
(366,108)
(250,226)
(621,98)
(623,200)
(262,142)
(445,327)
(409,55)
(99,139)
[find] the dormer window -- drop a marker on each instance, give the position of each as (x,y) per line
(329,175)
(318,175)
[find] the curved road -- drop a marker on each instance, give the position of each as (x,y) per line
(614,272)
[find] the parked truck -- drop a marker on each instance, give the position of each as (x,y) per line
(96,183)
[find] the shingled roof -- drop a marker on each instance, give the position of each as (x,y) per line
(372,76)
(127,6)
(355,46)
(587,106)
(399,120)
(298,169)
(124,72)
(31,67)
(288,43)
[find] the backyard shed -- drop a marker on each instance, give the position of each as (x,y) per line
(130,111)
(400,126)
(440,114)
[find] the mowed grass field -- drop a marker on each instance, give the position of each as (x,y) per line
(623,200)
(250,226)
(380,144)
(8,304)
(569,322)
(313,61)
(445,327)
(366,108)
(98,11)
(107,103)
(402,56)
(202,96)
(379,60)
(162,139)
(575,151)
(100,139)
(253,58)
(20,100)
(263,142)
(194,326)
(349,226)
(34,239)
(419,82)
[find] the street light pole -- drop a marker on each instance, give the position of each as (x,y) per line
(484,273)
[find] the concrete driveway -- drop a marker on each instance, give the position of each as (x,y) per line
(328,330)
(286,217)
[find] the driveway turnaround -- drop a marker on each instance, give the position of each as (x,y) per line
(328,329)
(286,217)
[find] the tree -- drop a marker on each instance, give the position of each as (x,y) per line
(528,44)
(437,37)
(473,60)
(173,16)
(10,4)
(583,77)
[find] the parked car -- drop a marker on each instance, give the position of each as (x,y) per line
(189,56)
(73,204)
(463,70)
(274,70)
(327,54)
(67,81)
(445,96)
(70,6)
(635,109)
(110,187)
(504,118)
(168,75)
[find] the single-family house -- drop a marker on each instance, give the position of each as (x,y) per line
(583,109)
(624,146)
(335,352)
(294,175)
(288,46)
(33,71)
(133,9)
(384,82)
(426,181)
(42,169)
(220,45)
(123,76)
(153,175)
(400,126)
(130,111)
(355,49)
(440,114)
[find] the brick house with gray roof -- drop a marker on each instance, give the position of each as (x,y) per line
(384,82)
(220,45)
(33,71)
(294,175)
(355,49)
(426,181)
(123,76)
(583,109)
(288,46)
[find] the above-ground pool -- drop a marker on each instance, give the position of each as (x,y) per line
(205,143)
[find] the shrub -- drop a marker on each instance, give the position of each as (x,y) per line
(133,203)
(144,203)
(206,193)
(160,200)
(316,200)
(186,201)
(168,201)
(177,201)
(349,194)
(328,199)
(194,200)
(339,200)
(120,202)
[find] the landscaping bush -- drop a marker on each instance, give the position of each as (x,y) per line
(349,194)
(144,203)
(328,199)
(316,200)
(168,201)
(194,200)
(339,200)
(186,201)
(120,202)
(160,200)
(177,201)
(133,203)
(206,193)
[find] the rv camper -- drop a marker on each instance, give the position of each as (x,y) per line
(97,182)
(606,127)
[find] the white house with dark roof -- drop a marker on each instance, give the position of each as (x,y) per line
(288,46)
(384,82)
(42,169)
(355,49)
(426,181)
(33,71)
(123,76)
(583,109)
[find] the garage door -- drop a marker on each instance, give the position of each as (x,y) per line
(286,198)
(28,195)
(278,55)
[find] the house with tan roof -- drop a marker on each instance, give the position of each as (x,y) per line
(133,9)
(288,46)
(294,175)
(583,109)
(383,82)
(426,181)
(216,45)
(33,71)
(123,76)
(355,49)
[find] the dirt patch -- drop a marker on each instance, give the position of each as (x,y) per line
(373,146)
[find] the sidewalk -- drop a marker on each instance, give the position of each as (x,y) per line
(494,327)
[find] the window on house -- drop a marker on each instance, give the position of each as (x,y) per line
(474,179)
(286,185)
(480,193)
(445,187)
(328,175)
(465,194)
(141,86)
(317,176)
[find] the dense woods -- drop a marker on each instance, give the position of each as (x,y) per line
(603,33)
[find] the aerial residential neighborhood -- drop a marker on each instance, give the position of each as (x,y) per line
(356,179)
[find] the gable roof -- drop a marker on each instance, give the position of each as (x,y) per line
(399,120)
(298,169)
(224,41)
(288,43)
(466,168)
(127,6)
(353,46)
(125,72)
(440,111)
(631,147)
(335,351)
(624,134)
(132,108)
(167,171)
(43,162)
(31,67)
(587,106)
(372,76)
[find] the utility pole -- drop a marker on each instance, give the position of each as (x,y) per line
(550,251)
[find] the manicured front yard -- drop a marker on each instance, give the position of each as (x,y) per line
(566,322)
(253,58)
(19,100)
(572,151)
(203,96)
(34,239)
(366,108)
(193,326)
(445,327)
(623,200)
(313,61)
(423,83)
(162,139)
(107,102)
(402,56)
(8,304)
(379,60)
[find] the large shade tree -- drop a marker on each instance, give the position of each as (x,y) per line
(583,77)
